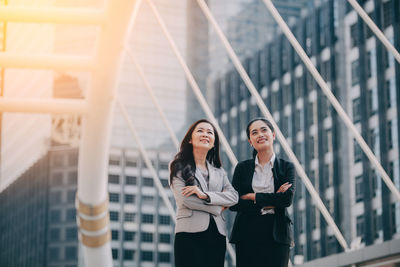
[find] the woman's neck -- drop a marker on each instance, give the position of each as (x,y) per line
(265,156)
(200,158)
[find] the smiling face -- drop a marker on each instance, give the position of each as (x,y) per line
(261,136)
(203,136)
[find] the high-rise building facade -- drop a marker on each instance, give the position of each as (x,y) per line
(141,227)
(38,215)
(365,79)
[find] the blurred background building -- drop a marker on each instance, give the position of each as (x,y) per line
(362,75)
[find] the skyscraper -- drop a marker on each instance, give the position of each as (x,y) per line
(365,79)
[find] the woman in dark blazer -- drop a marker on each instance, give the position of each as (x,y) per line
(262,229)
(202,192)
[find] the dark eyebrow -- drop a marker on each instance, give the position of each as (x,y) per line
(208,129)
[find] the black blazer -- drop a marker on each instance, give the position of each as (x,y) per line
(283,171)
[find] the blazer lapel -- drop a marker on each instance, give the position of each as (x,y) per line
(249,175)
(275,171)
(200,179)
(212,177)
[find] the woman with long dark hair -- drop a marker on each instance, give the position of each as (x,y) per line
(202,191)
(262,229)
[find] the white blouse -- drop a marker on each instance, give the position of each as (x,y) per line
(263,180)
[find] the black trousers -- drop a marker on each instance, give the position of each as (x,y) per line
(203,249)
(258,247)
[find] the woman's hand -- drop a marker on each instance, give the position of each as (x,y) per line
(249,196)
(284,187)
(193,189)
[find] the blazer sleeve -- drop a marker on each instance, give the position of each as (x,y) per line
(192,202)
(280,200)
(227,197)
(242,205)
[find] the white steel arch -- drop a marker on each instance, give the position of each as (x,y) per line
(325,89)
(281,138)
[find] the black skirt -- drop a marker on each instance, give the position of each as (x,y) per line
(200,249)
(258,248)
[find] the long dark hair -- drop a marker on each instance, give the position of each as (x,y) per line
(184,159)
(267,122)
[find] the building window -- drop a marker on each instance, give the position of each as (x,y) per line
(146,237)
(300,219)
(54,254)
(129,235)
(131,163)
(360,226)
(129,216)
(130,180)
(390,93)
(55,234)
(387,14)
(73,178)
(357,152)
(359,188)
(165,183)
(316,249)
(114,197)
(286,93)
(148,182)
(298,87)
(73,159)
(369,67)
(147,218)
(165,238)
(325,70)
(377,221)
(57,179)
(373,101)
(353,35)
(146,255)
(55,197)
(164,257)
(71,196)
(113,179)
(332,245)
(311,147)
(128,254)
(71,233)
(389,134)
(71,215)
(356,110)
(113,161)
(70,253)
(58,160)
(148,200)
(114,216)
(129,198)
(114,234)
(164,219)
(55,216)
(310,113)
(355,74)
(115,254)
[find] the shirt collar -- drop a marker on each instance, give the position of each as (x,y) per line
(270,163)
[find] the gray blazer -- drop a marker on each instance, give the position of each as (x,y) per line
(193,214)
